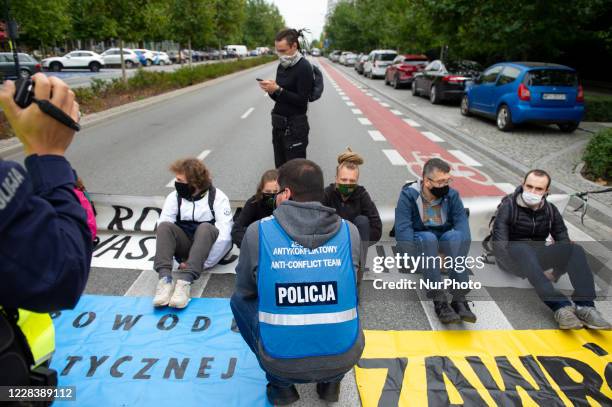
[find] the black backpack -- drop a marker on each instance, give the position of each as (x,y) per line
(317,85)
(189,226)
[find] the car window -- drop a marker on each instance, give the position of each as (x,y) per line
(490,75)
(398,59)
(24,58)
(3,58)
(508,75)
(384,57)
(86,54)
(552,77)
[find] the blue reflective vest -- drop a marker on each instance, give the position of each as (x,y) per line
(307,297)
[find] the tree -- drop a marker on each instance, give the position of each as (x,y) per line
(192,22)
(262,22)
(41,23)
(228,21)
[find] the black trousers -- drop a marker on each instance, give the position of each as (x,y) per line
(289,138)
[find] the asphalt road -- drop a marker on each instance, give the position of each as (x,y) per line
(229,125)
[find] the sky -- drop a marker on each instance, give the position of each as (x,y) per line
(304,13)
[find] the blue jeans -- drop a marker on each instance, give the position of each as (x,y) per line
(246,316)
(533,259)
(452,244)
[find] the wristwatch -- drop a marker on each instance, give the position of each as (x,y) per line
(278,91)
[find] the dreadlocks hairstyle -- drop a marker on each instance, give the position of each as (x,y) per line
(350,160)
(292,36)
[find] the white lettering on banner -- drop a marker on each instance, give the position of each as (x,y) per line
(9,187)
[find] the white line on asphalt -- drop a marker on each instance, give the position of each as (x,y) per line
(383,104)
(201,157)
(341,93)
(345,98)
(395,157)
(396,112)
(351,104)
(356,111)
(376,135)
(376,99)
(368,94)
(412,123)
(466,159)
(247,113)
(432,136)
(506,187)
(364,121)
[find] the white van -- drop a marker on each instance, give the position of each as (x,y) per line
(240,50)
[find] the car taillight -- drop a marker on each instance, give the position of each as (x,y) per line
(523,92)
(453,79)
(407,68)
(580,94)
(37,68)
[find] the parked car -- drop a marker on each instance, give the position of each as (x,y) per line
(350,59)
(377,63)
(342,58)
(401,71)
(75,60)
(161,58)
(112,57)
(145,56)
(442,81)
(214,54)
(521,92)
(335,55)
(253,53)
(28,66)
(315,52)
(360,62)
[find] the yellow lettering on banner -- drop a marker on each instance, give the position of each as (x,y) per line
(493,368)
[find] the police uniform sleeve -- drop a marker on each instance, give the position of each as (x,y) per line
(45,250)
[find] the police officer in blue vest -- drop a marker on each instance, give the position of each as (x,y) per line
(295,300)
(45,243)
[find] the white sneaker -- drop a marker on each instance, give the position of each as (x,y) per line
(181,296)
(163,292)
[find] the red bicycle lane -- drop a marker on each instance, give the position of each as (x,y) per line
(411,144)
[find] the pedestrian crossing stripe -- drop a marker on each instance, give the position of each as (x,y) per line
(491,368)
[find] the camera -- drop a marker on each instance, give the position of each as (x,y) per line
(24,92)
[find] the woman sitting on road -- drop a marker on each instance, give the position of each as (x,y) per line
(258,206)
(351,201)
(194,227)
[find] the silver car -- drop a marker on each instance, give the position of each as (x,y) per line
(377,63)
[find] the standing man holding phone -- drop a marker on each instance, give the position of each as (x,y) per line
(291,91)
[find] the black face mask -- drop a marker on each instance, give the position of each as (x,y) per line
(439,192)
(184,190)
(269,200)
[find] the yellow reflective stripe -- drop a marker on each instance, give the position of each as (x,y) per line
(40,334)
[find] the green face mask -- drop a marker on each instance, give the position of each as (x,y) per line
(346,189)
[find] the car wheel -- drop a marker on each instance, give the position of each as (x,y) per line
(396,82)
(94,67)
(415,91)
(148,62)
(504,118)
(465,106)
(568,127)
(55,67)
(128,64)
(387,80)
(24,73)
(434,98)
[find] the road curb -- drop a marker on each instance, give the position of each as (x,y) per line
(90,120)
(599,211)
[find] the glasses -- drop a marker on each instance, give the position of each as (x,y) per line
(441,183)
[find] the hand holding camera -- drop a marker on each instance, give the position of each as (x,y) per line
(43,113)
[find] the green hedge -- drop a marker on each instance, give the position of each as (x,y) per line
(159,81)
(598,156)
(598,108)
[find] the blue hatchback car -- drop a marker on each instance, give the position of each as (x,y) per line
(522,92)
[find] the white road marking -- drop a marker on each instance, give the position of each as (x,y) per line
(432,136)
(466,159)
(341,93)
(506,187)
(396,112)
(383,104)
(412,123)
(201,157)
(376,135)
(364,121)
(356,111)
(395,157)
(350,104)
(345,98)
(247,113)
(376,99)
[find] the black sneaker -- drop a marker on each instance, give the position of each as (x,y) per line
(462,308)
(445,313)
(329,392)
(281,396)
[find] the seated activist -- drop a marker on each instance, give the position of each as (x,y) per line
(194,227)
(351,200)
(522,224)
(429,219)
(258,206)
(295,301)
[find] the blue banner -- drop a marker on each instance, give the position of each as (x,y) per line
(121,351)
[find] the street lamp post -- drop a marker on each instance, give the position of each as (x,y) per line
(11,27)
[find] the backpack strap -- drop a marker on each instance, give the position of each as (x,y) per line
(178,205)
(212,194)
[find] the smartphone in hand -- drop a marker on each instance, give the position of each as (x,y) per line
(258,79)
